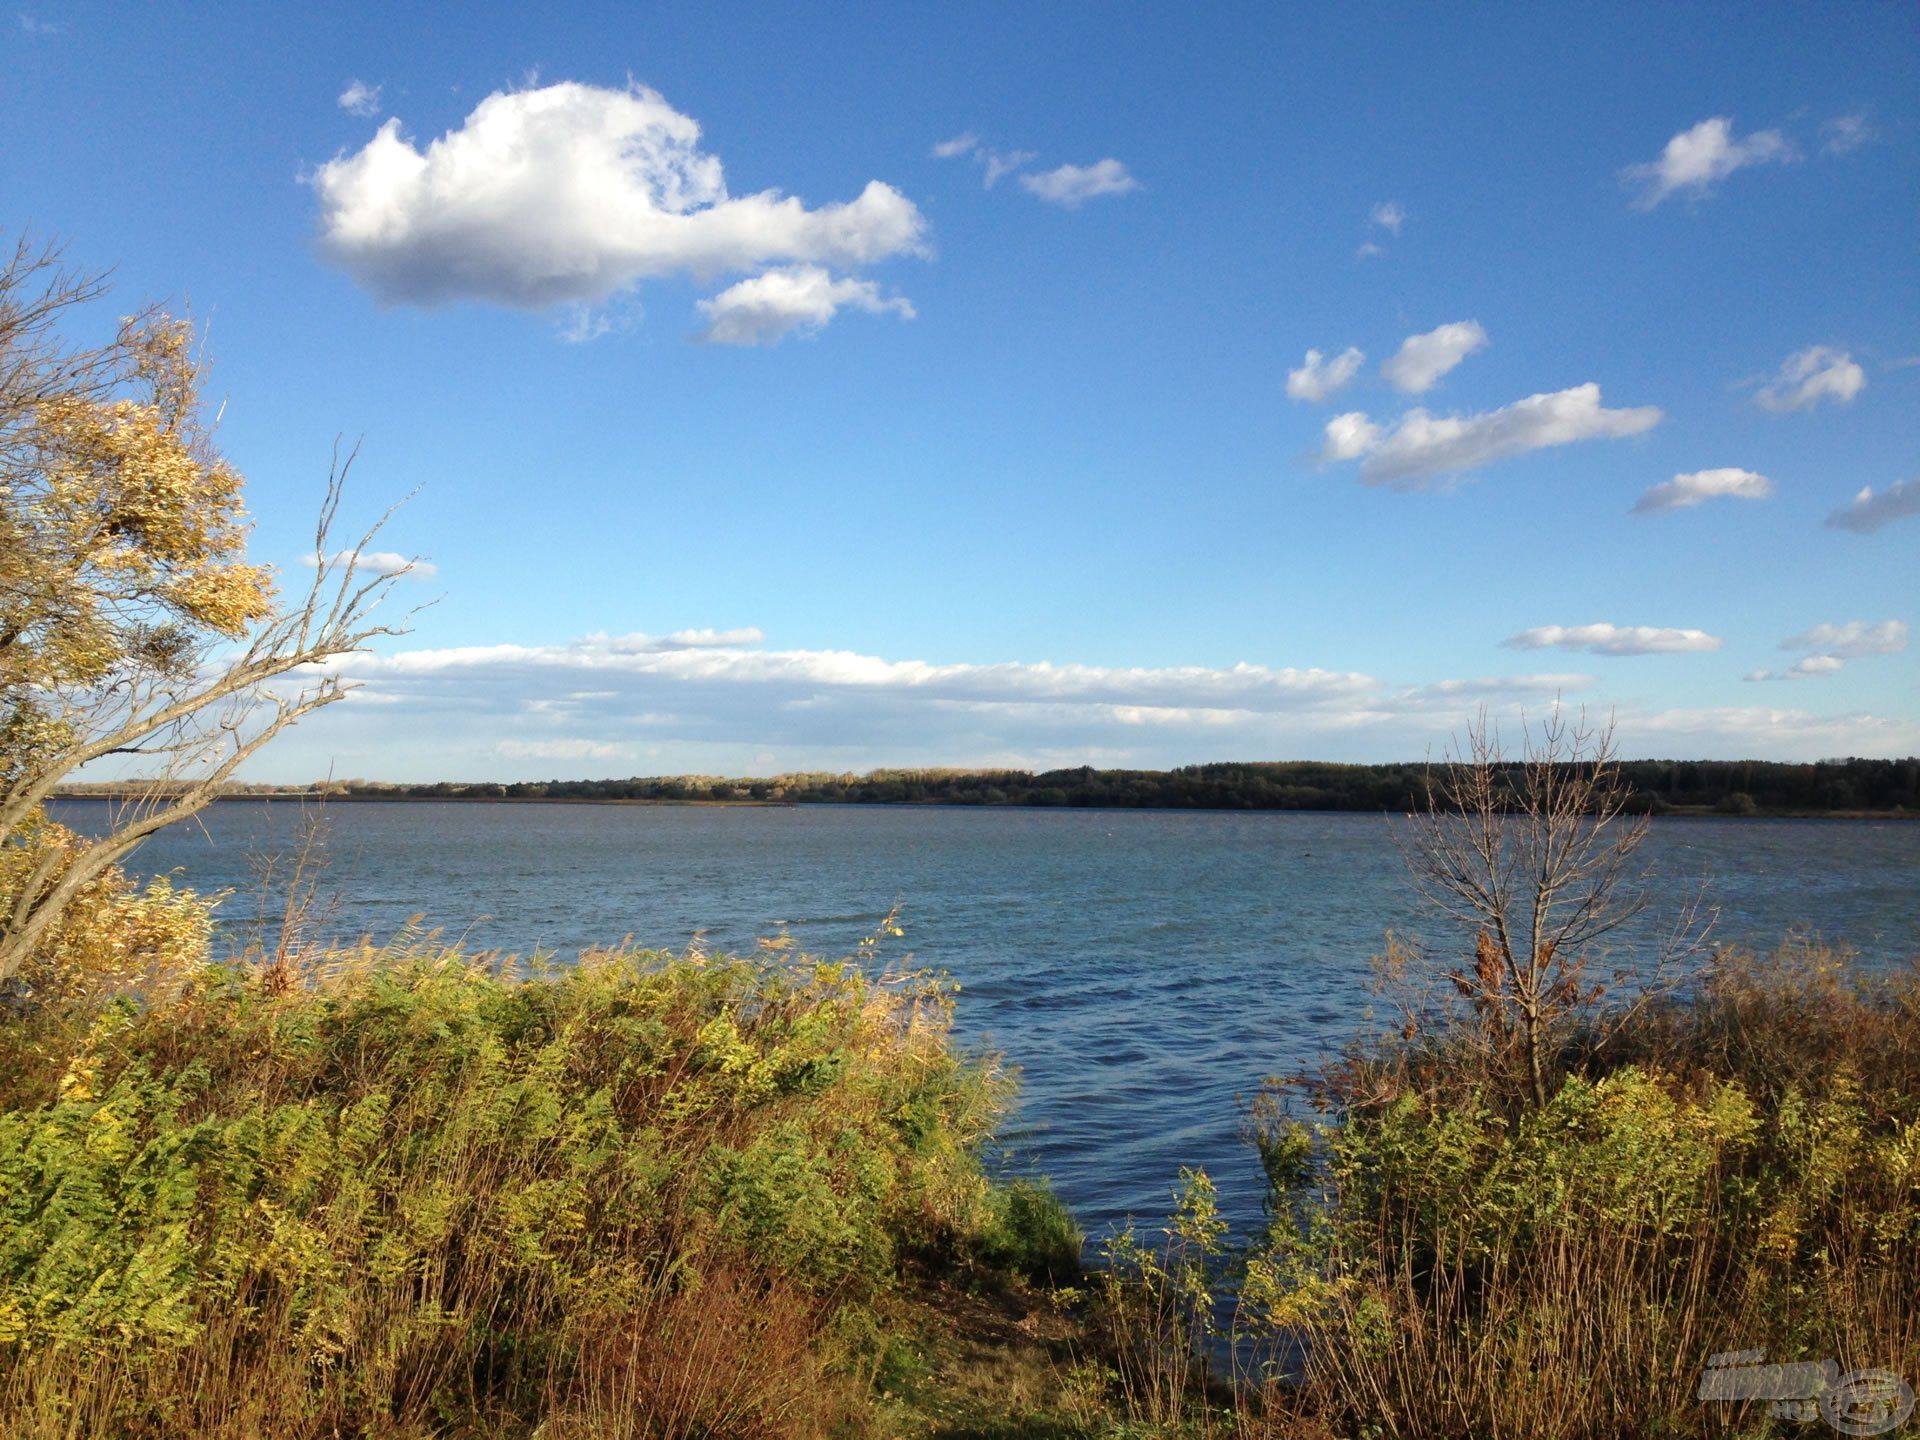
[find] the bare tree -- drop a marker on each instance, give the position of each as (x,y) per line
(1535,857)
(130,622)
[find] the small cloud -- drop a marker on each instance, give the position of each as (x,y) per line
(1421,445)
(1368,249)
(360,99)
(1870,510)
(1696,160)
(713,639)
(1696,487)
(1811,668)
(994,165)
(1389,215)
(1851,639)
(560,750)
(33,25)
(1805,378)
(1602,639)
(1319,377)
(377,562)
(1350,436)
(1074,185)
(1844,133)
(803,298)
(1423,359)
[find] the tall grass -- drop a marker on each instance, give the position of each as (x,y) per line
(647,1196)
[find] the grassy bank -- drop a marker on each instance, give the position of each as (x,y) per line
(661,1196)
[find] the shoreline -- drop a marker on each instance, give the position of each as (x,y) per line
(332,798)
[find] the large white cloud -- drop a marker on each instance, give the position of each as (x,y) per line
(793,297)
(1696,160)
(1319,377)
(1850,639)
(571,193)
(1604,639)
(1696,487)
(1870,509)
(1422,359)
(1809,376)
(1421,445)
(1074,185)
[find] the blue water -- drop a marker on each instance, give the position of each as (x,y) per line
(1143,969)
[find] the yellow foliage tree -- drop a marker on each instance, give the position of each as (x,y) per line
(130,620)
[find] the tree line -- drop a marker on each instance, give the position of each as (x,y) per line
(1730,787)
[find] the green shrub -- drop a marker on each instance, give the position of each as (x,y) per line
(1031,1233)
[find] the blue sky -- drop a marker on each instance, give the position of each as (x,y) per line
(909,468)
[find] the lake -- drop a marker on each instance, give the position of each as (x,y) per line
(1143,969)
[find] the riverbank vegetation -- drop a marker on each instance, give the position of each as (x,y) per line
(410,1192)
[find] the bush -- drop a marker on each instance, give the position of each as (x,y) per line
(649,1195)
(1030,1233)
(1731,1170)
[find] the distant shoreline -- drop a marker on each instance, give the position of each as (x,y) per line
(1691,812)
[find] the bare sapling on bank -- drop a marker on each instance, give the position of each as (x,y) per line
(1536,857)
(131,623)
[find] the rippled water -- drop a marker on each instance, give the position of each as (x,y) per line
(1143,969)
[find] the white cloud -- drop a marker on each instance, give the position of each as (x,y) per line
(686,707)
(1073,185)
(1388,215)
(562,749)
(1812,667)
(1420,445)
(360,98)
(1845,132)
(1766,732)
(994,164)
(1422,359)
(1696,487)
(1318,377)
(1350,436)
(711,639)
(1602,639)
(1368,250)
(768,307)
(573,193)
(1869,510)
(1695,160)
(33,25)
(378,562)
(1851,638)
(1809,376)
